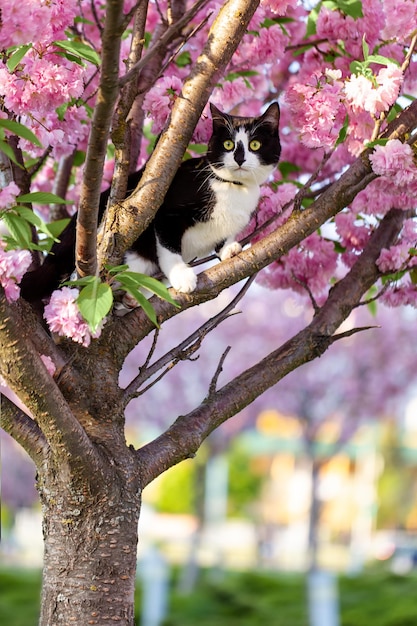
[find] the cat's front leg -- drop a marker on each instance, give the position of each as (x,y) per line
(180,275)
(229,249)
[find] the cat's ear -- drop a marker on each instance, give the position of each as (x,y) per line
(271,115)
(218,117)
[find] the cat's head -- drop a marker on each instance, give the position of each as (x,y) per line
(244,149)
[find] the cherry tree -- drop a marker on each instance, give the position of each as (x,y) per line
(85,88)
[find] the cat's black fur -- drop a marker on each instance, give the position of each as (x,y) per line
(210,200)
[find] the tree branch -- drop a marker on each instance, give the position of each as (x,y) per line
(161,42)
(130,329)
(60,187)
(23,429)
(133,215)
(26,375)
(86,242)
(120,126)
(185,436)
(183,350)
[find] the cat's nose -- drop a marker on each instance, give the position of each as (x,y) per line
(239,154)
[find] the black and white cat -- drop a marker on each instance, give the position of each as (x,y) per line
(210,201)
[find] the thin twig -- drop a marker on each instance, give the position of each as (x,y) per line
(185,39)
(219,369)
(185,349)
(349,333)
(300,194)
(162,41)
(305,286)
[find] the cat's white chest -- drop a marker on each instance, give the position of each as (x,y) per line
(233,208)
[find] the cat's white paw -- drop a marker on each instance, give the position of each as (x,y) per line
(230,250)
(183,279)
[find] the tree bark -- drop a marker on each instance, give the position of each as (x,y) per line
(90,549)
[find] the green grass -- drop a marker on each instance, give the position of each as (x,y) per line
(19,597)
(376,598)
(244,599)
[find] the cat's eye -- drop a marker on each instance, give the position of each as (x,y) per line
(255,145)
(229,144)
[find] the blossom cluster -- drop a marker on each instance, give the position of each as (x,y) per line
(44,79)
(8,195)
(337,72)
(64,317)
(395,162)
(13,265)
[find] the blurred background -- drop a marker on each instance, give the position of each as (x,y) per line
(301,510)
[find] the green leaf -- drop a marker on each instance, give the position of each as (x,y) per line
(299,51)
(95,301)
(81,282)
(183,59)
(4,147)
(144,303)
(381,60)
(286,168)
(394,277)
(19,129)
(17,56)
(19,228)
(356,67)
(131,286)
(42,197)
(158,288)
(332,5)
(338,248)
(343,131)
(115,269)
(31,217)
(80,50)
(376,142)
(137,280)
(311,28)
(395,110)
(56,227)
(79,158)
(199,148)
(240,74)
(351,7)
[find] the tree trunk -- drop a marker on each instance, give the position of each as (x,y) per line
(90,551)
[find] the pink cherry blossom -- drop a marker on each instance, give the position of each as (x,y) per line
(402,19)
(311,266)
(394,161)
(317,109)
(280,7)
(64,318)
(160,99)
(8,195)
(389,79)
(358,91)
(400,295)
(393,259)
(13,264)
(29,21)
(361,93)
